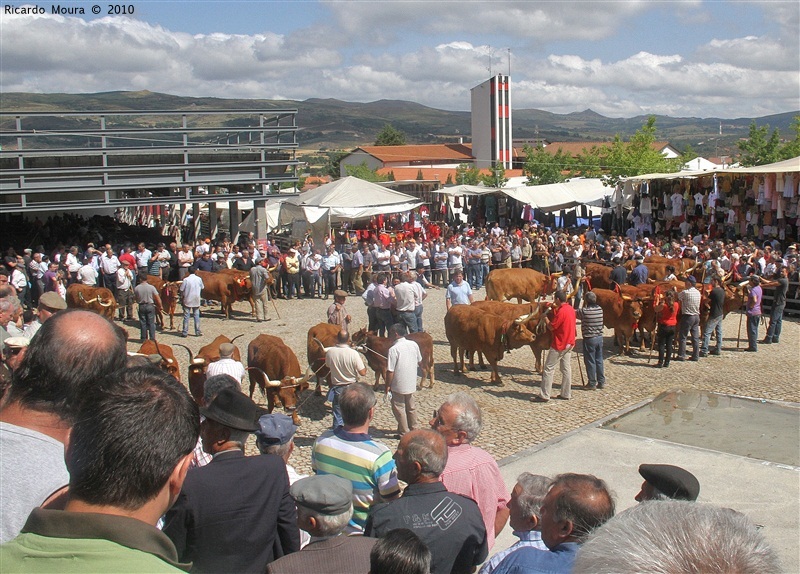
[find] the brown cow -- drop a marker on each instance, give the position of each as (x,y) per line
(621,313)
(246,291)
(97,299)
(205,356)
(645,295)
(599,275)
(325,333)
(168,290)
(377,352)
(511,311)
(527,284)
(734,299)
(168,361)
(273,366)
(473,330)
(227,289)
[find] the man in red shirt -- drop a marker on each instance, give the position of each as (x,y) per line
(562,326)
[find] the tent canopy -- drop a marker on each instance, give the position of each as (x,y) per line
(352,198)
(557,196)
(467,190)
(786,166)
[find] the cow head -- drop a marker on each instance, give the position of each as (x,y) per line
(516,333)
(196,374)
(634,304)
(168,364)
(285,391)
(359,337)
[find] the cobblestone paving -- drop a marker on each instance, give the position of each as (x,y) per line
(511,422)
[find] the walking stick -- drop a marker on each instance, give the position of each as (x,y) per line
(274,306)
(652,343)
(739,336)
(580,367)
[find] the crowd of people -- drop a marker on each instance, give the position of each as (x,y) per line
(107,462)
(101,473)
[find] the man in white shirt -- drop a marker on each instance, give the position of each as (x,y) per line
(226,365)
(87,274)
(346,366)
(143,257)
(401,378)
(191,288)
(109,265)
(404,294)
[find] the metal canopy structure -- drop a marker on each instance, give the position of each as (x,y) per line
(100,159)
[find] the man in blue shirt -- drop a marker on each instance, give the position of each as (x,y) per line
(639,273)
(575,505)
(458,292)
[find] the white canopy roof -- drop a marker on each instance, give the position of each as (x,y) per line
(467,190)
(787,166)
(352,198)
(556,196)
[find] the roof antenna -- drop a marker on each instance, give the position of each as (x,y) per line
(509,62)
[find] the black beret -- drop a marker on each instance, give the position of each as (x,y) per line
(673,481)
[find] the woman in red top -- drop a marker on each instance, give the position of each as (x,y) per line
(667,310)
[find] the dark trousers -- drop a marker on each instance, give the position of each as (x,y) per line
(372,316)
(666,337)
(775,324)
(147,321)
(385,320)
(593,359)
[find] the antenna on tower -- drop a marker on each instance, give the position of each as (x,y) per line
(509,63)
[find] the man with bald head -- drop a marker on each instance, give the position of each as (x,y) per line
(449,524)
(575,505)
(71,352)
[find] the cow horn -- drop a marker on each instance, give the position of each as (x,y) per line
(626,297)
(80,296)
(191,355)
(236,337)
(271,383)
(523,318)
(158,350)
(103,303)
(309,372)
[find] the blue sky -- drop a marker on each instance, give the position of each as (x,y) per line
(619,58)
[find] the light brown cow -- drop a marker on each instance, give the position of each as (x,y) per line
(325,333)
(273,366)
(205,356)
(377,351)
(536,324)
(621,313)
(222,287)
(473,330)
(168,361)
(97,299)
(168,290)
(527,284)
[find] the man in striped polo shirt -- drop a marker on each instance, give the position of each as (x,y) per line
(689,299)
(350,452)
(591,317)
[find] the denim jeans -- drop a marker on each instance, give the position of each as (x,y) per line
(409,319)
(752,331)
(147,320)
(666,336)
(713,324)
(593,359)
(690,325)
(333,396)
(474,277)
(775,324)
(418,314)
(195,311)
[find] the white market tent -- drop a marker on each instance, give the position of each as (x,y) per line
(786,166)
(466,190)
(557,196)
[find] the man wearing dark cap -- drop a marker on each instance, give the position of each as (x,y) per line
(49,304)
(689,299)
(324,506)
(337,312)
(664,481)
(235,513)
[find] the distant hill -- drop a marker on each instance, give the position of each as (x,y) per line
(335,124)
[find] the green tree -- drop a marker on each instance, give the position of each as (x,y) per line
(588,163)
(543,167)
(362,171)
(758,149)
(466,174)
(636,156)
(390,136)
(495,179)
(792,148)
(449,180)
(332,167)
(420,177)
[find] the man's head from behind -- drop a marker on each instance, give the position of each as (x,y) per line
(678,537)
(357,401)
(421,456)
(575,505)
(324,504)
(526,501)
(400,551)
(71,352)
(133,433)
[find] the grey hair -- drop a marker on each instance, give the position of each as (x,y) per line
(591,298)
(469,417)
(327,524)
(10,304)
(238,436)
(428,448)
(534,489)
(280,449)
(675,537)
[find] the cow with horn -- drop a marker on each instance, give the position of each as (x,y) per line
(205,356)
(97,299)
(273,366)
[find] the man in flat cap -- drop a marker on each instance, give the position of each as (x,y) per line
(50,303)
(337,312)
(233,514)
(664,482)
(324,507)
(226,365)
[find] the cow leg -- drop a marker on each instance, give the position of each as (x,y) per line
(430,373)
(495,371)
(454,354)
(271,400)
(480,361)
(252,306)
(172,319)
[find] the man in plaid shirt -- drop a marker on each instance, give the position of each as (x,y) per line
(689,299)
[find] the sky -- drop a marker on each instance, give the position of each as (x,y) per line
(682,58)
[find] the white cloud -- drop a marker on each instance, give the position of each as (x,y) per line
(727,76)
